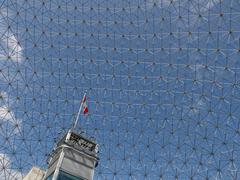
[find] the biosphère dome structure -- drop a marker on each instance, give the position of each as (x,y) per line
(162,79)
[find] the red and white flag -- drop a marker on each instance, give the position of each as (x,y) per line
(85,108)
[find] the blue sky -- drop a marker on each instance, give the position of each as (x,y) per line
(162,82)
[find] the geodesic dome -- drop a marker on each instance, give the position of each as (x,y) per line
(162,81)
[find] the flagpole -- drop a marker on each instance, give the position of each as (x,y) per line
(79,112)
(59,163)
(76,120)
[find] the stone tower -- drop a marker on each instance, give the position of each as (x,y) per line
(74,157)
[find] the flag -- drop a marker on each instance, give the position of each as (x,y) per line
(85,108)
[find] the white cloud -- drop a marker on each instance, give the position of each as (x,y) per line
(9,45)
(203,6)
(211,3)
(6,171)
(160,3)
(10,50)
(6,113)
(193,7)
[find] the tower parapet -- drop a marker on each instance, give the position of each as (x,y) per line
(74,157)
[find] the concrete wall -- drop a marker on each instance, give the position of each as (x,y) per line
(35,174)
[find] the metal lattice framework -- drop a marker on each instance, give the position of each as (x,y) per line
(162,78)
